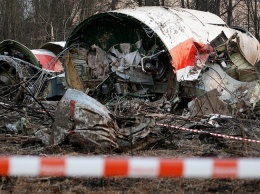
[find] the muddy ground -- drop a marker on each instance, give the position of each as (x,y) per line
(171,143)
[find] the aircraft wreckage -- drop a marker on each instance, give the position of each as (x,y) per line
(150,60)
(29,74)
(126,67)
(156,51)
(153,58)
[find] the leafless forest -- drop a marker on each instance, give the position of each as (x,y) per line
(31,21)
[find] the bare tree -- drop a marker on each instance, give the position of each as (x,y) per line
(252,15)
(113,4)
(256,20)
(34,22)
(229,12)
(182,4)
(11,20)
(150,2)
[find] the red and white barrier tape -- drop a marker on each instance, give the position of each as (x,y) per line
(129,167)
(213,134)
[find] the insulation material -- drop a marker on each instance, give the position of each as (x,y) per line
(124,59)
(97,62)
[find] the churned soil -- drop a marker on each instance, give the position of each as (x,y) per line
(179,144)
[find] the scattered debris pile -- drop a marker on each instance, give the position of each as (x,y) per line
(140,64)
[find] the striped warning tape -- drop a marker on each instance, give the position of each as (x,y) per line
(213,134)
(129,167)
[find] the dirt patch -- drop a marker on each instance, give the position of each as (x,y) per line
(171,143)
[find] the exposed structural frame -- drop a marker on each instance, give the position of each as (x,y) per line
(27,74)
(156,52)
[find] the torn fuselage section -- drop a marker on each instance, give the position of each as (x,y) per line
(155,52)
(18,67)
(150,60)
(229,83)
(116,55)
(24,73)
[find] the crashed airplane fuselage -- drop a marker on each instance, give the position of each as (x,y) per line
(155,52)
(26,74)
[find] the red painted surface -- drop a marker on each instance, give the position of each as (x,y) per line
(188,52)
(46,60)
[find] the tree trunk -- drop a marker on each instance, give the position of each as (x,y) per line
(201,5)
(140,3)
(163,3)
(150,2)
(188,4)
(229,13)
(182,4)
(256,22)
(248,16)
(217,7)
(113,4)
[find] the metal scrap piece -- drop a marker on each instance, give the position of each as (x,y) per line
(237,65)
(223,94)
(231,90)
(79,113)
(209,103)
